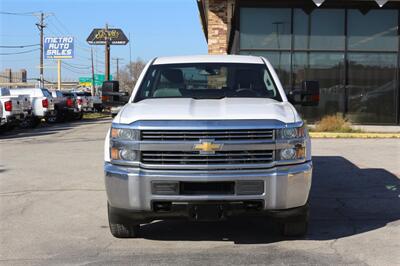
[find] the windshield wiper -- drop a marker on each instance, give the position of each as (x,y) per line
(209,98)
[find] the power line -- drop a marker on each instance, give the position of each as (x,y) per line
(19,14)
(75,66)
(59,31)
(65,30)
(23,52)
(68,31)
(18,46)
(75,71)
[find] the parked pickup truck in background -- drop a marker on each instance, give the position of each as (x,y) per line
(65,106)
(72,103)
(42,103)
(11,109)
(97,103)
(84,100)
(207,138)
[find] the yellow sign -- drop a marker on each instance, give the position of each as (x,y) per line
(102,34)
(207,147)
(85,84)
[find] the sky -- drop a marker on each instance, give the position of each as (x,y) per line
(156,28)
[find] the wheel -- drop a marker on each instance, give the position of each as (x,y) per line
(295,226)
(298,228)
(120,227)
(124,230)
(26,123)
(78,116)
(53,118)
(3,128)
(33,122)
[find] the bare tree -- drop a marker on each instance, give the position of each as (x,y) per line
(129,75)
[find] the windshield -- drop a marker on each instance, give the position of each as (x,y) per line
(69,94)
(208,81)
(46,93)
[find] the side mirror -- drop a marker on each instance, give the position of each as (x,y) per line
(308,95)
(111,95)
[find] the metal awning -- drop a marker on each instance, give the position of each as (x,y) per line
(381,3)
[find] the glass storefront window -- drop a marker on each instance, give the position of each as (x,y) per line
(375,30)
(372,87)
(354,58)
(328,69)
(323,29)
(281,63)
(268,28)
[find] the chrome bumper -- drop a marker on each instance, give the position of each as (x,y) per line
(284,186)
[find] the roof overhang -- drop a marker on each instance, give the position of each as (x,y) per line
(203,8)
(380,3)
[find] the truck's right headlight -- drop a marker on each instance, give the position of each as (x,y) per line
(297,152)
(125,134)
(288,154)
(291,133)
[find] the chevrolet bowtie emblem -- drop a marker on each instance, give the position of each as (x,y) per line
(207,147)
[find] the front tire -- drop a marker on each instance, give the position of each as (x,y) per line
(120,227)
(53,118)
(78,116)
(296,226)
(295,229)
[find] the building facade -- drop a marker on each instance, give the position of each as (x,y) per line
(9,76)
(350,47)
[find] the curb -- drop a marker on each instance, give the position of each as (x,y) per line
(323,135)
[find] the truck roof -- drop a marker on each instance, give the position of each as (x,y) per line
(244,59)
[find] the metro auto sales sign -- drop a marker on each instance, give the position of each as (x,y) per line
(58,47)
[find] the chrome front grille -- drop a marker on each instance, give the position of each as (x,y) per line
(197,135)
(196,158)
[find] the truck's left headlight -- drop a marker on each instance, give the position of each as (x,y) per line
(124,154)
(125,134)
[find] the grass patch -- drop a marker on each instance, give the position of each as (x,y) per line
(96,115)
(334,123)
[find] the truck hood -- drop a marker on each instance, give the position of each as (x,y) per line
(220,109)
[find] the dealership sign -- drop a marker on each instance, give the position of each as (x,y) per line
(58,47)
(113,36)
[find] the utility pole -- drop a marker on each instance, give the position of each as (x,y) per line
(107,37)
(93,81)
(59,74)
(117,61)
(107,52)
(41,26)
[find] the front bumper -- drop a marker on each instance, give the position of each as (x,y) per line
(70,110)
(285,187)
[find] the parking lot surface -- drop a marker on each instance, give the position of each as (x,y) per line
(53,209)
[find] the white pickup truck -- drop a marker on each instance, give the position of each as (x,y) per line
(11,109)
(42,103)
(84,100)
(207,138)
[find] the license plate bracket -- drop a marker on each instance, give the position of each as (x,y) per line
(207,212)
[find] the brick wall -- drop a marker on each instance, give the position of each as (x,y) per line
(217,15)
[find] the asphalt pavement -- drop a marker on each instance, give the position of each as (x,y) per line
(53,209)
